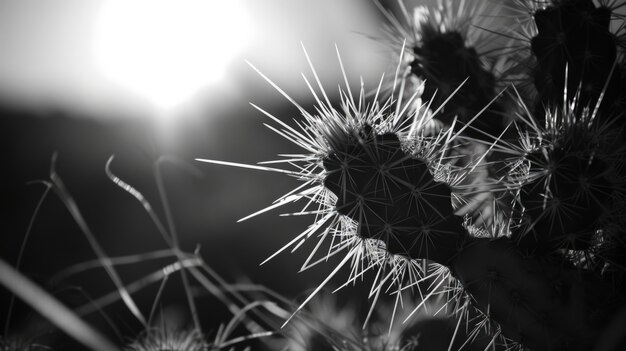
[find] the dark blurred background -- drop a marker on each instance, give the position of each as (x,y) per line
(143,79)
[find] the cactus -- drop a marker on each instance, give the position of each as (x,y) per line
(374,180)
(576,34)
(547,271)
(568,169)
(539,303)
(570,179)
(392,195)
(453,63)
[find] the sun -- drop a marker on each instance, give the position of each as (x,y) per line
(165,51)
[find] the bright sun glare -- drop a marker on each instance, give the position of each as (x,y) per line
(167,50)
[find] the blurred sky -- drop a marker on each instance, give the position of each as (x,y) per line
(118,57)
(143,78)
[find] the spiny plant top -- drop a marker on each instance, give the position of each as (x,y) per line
(571,183)
(161,339)
(392,195)
(448,46)
(378,187)
(587,37)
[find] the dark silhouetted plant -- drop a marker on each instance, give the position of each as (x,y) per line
(546,270)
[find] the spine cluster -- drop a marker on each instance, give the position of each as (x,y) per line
(393,196)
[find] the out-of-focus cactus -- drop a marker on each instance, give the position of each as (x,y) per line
(576,34)
(157,340)
(454,63)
